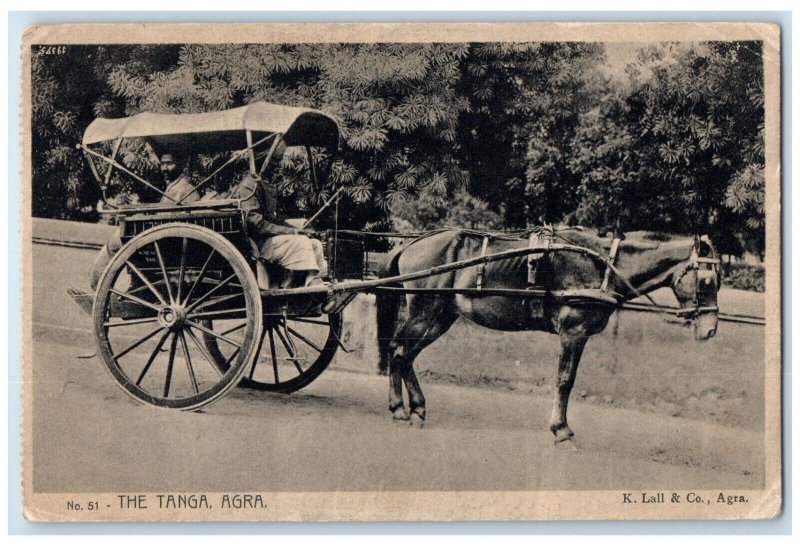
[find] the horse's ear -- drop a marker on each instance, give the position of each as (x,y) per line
(704,245)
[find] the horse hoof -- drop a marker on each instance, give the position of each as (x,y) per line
(563,434)
(399,415)
(416,421)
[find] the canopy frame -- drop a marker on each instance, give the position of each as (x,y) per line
(113,163)
(234,156)
(204,131)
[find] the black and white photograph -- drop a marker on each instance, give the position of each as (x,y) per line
(401,272)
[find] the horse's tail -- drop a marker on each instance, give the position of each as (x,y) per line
(387,307)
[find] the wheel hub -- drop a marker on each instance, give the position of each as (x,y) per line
(172,316)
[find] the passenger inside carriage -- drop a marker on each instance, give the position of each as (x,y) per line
(178,187)
(276,241)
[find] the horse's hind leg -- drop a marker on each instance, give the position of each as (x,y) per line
(416,400)
(396,406)
(428,319)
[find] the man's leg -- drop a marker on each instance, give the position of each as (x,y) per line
(294,253)
(111,247)
(319,254)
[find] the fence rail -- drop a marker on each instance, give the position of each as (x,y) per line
(69,244)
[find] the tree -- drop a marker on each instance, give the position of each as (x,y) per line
(395,103)
(680,145)
(571,87)
(523,102)
(416,118)
(461,210)
(530,131)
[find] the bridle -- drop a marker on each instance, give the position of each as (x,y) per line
(707,271)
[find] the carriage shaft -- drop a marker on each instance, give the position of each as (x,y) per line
(367,286)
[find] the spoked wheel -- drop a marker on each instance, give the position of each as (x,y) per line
(294,352)
(156,303)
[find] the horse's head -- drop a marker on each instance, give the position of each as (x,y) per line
(696,285)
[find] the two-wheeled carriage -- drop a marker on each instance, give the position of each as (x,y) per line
(185,309)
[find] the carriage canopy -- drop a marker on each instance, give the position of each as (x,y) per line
(221,130)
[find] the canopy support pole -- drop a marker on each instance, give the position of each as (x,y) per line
(312,169)
(252,154)
(234,157)
(110,170)
(270,153)
(125,170)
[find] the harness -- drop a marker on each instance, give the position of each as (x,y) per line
(708,278)
(538,239)
(482,267)
(541,239)
(612,257)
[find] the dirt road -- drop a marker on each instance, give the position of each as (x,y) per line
(337,434)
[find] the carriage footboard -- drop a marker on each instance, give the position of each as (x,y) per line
(346,256)
(83,299)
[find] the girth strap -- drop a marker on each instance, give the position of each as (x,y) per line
(482,266)
(540,239)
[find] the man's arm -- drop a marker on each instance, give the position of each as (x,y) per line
(254,207)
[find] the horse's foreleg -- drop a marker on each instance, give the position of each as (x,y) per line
(571,351)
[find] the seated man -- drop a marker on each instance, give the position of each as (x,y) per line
(177,186)
(277,241)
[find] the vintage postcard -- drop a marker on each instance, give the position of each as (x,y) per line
(401,272)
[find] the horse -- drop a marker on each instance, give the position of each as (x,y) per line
(407,322)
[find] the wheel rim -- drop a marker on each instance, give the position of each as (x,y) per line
(294,351)
(156,303)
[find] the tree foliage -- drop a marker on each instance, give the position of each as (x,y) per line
(461,210)
(522,96)
(484,134)
(679,146)
(396,104)
(69,90)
